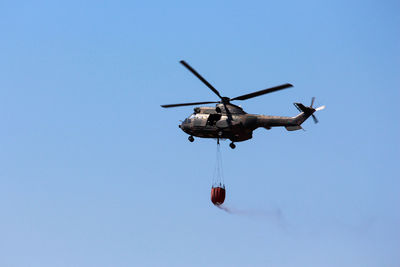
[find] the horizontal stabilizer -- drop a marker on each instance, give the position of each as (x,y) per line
(293,128)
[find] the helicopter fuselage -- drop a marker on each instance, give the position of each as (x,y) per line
(228,121)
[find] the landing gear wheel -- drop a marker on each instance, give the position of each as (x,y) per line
(232,145)
(191,139)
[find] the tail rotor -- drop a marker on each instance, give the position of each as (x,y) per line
(315,109)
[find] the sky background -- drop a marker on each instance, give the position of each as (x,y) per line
(93,172)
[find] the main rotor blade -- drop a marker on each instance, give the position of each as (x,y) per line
(201,78)
(187,104)
(263,92)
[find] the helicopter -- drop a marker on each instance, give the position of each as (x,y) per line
(229,121)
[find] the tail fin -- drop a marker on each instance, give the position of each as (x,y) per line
(302,108)
(306,112)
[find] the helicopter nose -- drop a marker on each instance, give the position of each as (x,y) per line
(184,126)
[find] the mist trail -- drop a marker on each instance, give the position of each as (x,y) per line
(273,215)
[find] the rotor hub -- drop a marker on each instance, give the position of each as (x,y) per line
(225,99)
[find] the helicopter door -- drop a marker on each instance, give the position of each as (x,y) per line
(213,118)
(223,123)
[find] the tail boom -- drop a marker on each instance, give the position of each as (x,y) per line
(290,123)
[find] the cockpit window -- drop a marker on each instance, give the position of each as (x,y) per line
(192,116)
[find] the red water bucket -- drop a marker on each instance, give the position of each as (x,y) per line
(218,195)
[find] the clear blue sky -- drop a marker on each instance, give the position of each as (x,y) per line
(94,173)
